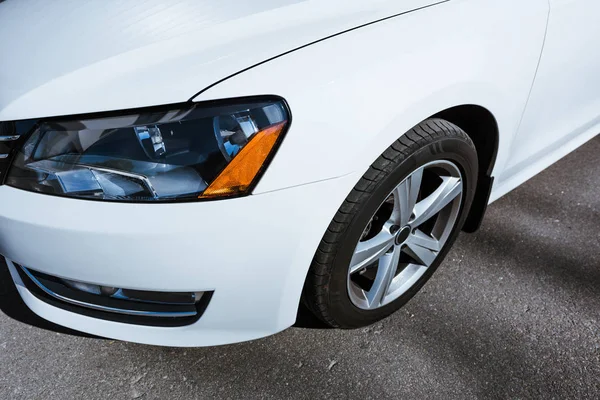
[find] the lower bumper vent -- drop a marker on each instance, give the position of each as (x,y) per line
(117,304)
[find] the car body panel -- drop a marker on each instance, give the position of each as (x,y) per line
(358,104)
(69,57)
(233,247)
(562,111)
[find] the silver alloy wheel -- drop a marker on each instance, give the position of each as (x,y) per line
(419,215)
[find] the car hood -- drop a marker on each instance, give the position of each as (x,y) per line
(69,56)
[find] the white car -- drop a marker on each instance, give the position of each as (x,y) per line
(188,173)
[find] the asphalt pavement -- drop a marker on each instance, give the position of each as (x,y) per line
(514,312)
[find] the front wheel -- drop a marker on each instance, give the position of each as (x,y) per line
(394,228)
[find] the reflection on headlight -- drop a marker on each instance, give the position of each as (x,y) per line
(154,156)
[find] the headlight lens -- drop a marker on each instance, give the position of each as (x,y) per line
(177,153)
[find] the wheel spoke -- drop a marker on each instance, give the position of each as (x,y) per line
(449,190)
(369,251)
(405,197)
(409,276)
(386,270)
(422,255)
(421,239)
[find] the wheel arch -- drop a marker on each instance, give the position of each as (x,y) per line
(482,127)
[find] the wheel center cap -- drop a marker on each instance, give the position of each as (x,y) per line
(402,235)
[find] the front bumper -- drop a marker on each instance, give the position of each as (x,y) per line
(253,252)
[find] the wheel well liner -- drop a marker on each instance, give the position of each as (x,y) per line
(482,127)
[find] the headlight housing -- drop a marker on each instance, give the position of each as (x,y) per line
(174,153)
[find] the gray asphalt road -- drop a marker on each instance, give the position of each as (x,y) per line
(514,312)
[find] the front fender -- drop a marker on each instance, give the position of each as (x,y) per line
(354,94)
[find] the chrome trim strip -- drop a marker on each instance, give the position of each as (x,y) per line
(104,308)
(2,156)
(119,295)
(9,138)
(142,178)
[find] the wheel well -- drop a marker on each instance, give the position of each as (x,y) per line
(481,126)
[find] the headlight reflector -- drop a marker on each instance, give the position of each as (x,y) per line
(176,153)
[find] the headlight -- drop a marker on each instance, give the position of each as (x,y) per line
(176,153)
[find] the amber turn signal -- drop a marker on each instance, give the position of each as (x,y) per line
(239,174)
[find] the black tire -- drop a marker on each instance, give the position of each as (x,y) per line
(325,291)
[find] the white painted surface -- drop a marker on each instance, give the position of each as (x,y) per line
(351,96)
(254,252)
(65,57)
(563,111)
